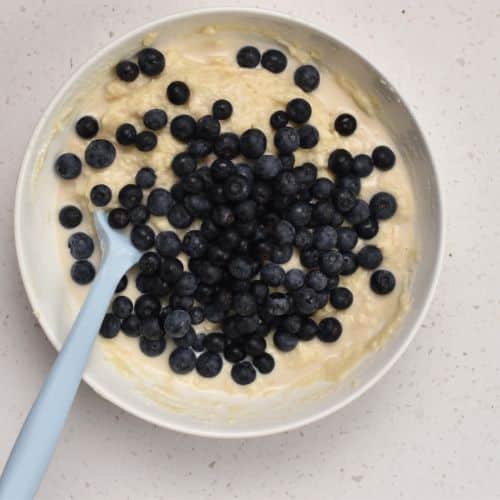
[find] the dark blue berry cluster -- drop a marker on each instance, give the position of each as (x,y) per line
(252,211)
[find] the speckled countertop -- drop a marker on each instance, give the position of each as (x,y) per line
(431,428)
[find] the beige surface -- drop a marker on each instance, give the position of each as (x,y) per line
(206,62)
(430,428)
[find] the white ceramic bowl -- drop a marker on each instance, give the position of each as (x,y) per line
(35,226)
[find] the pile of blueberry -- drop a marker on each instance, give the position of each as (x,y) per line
(254,214)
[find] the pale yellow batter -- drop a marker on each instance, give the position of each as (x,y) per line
(206,62)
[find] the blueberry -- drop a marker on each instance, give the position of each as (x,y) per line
(306,175)
(183,128)
(152,347)
(383,206)
(138,215)
(298,110)
(362,165)
(130,196)
(188,340)
(87,127)
(330,263)
(127,71)
(292,323)
(346,238)
(208,128)
(344,200)
(329,330)
(323,297)
(70,216)
(324,237)
(147,306)
(341,298)
(323,188)
(303,238)
(272,274)
(369,257)
(192,183)
(214,313)
(316,280)
(262,192)
(82,272)
(118,218)
(178,93)
(367,229)
(151,61)
(81,246)
(253,143)
(278,119)
(284,233)
(306,77)
(150,328)
(383,158)
(243,373)
(214,342)
(126,134)
(131,326)
(294,279)
(194,244)
(287,140)
(177,323)
(309,330)
(309,257)
(281,254)
(345,124)
(122,284)
(155,119)
(68,166)
(268,167)
(122,307)
(286,183)
(146,141)
(100,153)
(149,263)
(240,268)
(197,315)
(159,202)
(186,284)
(309,136)
(278,304)
(184,302)
(223,216)
(382,282)
(110,326)
(142,237)
(145,178)
(227,146)
(245,211)
(209,364)
(197,344)
(168,244)
(237,188)
(350,182)
(248,57)
(285,341)
(349,264)
(340,162)
(182,360)
(333,282)
(234,352)
(324,213)
(274,61)
(244,304)
(359,213)
(260,291)
(255,345)
(222,109)
(299,214)
(288,161)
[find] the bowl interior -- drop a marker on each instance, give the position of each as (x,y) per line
(36,228)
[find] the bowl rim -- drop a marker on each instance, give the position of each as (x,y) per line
(88,378)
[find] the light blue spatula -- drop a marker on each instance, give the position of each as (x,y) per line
(37,440)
